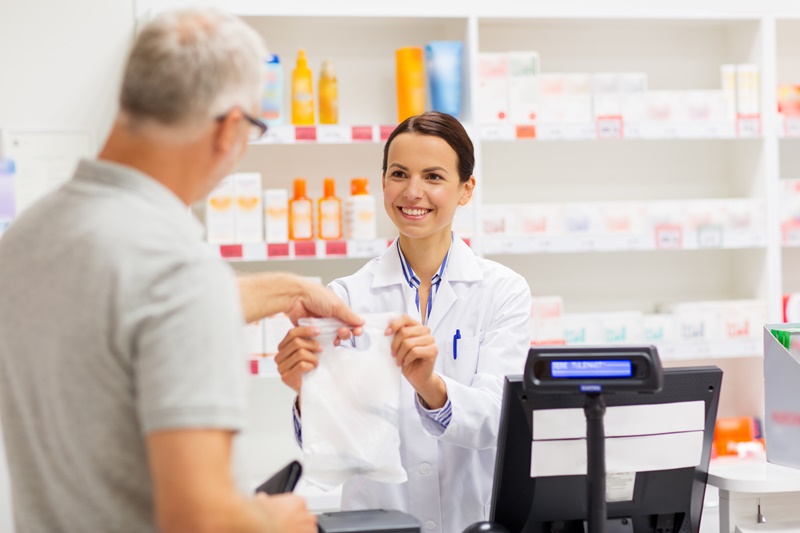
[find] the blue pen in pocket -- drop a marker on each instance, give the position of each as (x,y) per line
(455,344)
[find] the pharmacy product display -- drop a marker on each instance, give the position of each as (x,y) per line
(239,211)
(512,88)
(233,210)
(359,218)
(410,82)
(674,324)
(329,212)
(272,92)
(684,224)
(328,95)
(302,92)
(7,200)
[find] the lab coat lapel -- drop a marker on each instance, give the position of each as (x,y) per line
(462,266)
(388,271)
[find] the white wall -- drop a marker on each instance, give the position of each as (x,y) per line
(60,64)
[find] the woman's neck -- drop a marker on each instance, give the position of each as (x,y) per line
(426,255)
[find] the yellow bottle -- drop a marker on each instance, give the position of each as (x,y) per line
(302,92)
(410,82)
(301,216)
(330,211)
(328,95)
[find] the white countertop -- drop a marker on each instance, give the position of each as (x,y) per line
(754,475)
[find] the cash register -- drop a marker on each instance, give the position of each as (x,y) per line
(658,439)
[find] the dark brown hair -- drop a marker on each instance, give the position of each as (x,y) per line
(445,127)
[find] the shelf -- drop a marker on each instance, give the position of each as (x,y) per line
(721,349)
(326,134)
(600,130)
(709,239)
(298,250)
(613,128)
(264,367)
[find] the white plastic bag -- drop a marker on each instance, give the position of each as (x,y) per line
(350,407)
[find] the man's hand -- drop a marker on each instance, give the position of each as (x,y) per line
(194,489)
(286,513)
(268,293)
(317,301)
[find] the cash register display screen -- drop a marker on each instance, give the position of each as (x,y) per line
(566,369)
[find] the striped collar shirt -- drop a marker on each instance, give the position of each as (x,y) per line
(414,282)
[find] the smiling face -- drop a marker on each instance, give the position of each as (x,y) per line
(421,186)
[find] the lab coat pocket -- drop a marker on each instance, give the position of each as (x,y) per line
(462,358)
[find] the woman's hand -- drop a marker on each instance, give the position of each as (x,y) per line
(297,354)
(415,351)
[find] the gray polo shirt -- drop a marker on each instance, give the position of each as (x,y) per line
(115,321)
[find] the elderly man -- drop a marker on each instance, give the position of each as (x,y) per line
(122,378)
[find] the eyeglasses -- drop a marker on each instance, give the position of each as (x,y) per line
(257,126)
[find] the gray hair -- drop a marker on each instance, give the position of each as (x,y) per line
(191,65)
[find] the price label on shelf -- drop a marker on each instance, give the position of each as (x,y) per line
(609,127)
(332,134)
(278,250)
(551,131)
(546,244)
(335,248)
(669,237)
(790,233)
(279,135)
(791,127)
(721,130)
(498,132)
(305,249)
(370,248)
(638,242)
(748,126)
(230,251)
(744,239)
(709,237)
(362,133)
(587,244)
(504,245)
(526,131)
(305,133)
(254,251)
(385,131)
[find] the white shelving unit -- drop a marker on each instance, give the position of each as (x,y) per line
(680,48)
(788,72)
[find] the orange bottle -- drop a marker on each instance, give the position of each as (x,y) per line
(328,95)
(329,213)
(301,216)
(410,82)
(302,92)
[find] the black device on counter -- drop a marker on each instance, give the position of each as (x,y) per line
(669,501)
(587,369)
(283,481)
(372,520)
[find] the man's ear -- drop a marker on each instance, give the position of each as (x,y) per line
(466,194)
(227,132)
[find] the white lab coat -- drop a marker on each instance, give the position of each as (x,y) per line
(450,473)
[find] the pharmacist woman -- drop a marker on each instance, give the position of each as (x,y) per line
(462,326)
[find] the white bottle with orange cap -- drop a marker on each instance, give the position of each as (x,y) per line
(359,220)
